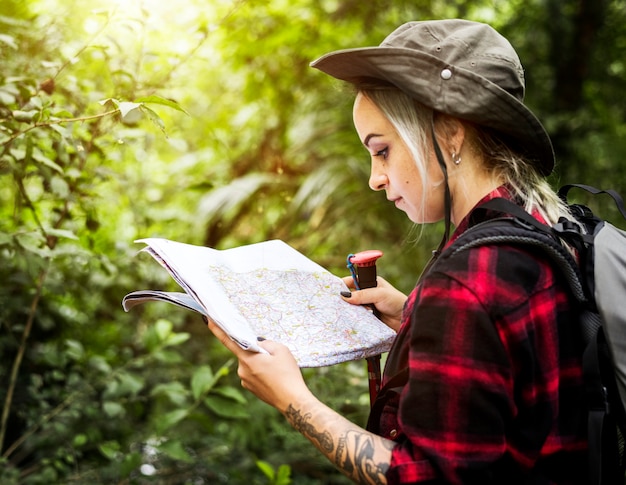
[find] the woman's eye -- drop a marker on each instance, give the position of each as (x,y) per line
(382,153)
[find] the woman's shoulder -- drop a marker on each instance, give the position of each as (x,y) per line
(508,271)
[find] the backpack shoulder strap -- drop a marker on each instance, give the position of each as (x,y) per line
(524,230)
(392,387)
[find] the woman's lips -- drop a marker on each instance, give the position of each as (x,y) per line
(396,201)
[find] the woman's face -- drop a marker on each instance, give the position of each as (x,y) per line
(393,168)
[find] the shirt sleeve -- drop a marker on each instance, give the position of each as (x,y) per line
(479,396)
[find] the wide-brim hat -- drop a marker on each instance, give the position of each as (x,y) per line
(462,68)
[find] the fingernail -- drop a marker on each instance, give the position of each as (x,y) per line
(260,339)
(346,294)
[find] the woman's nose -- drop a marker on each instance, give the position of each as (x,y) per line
(378,180)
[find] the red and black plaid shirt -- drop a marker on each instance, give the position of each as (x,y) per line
(494,392)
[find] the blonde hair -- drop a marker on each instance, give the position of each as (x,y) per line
(413,121)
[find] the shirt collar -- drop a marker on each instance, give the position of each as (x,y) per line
(503,192)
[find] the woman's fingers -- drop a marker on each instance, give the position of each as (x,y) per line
(223,337)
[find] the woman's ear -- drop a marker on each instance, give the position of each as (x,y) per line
(457,138)
(450,133)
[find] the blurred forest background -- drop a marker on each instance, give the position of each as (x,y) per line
(201,121)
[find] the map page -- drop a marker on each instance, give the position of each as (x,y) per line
(269,290)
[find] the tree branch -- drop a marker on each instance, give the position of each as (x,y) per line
(58,122)
(20,355)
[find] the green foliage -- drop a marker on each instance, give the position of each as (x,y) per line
(203,122)
(276,477)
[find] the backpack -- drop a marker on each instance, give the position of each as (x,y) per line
(598,282)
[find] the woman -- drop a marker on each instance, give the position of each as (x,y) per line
(484,381)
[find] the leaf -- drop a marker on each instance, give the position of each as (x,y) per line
(41,158)
(174,449)
(4,138)
(33,242)
(79,440)
(109,449)
(75,349)
(9,40)
(5,238)
(155,118)
(36,102)
(62,233)
(113,101)
(176,339)
(113,409)
(231,393)
(167,356)
(130,384)
(267,469)
(283,477)
(18,153)
(170,419)
(162,101)
(126,107)
(100,364)
(174,391)
(6,98)
(163,328)
(130,463)
(202,381)
(225,407)
(64,131)
(63,113)
(59,187)
(25,116)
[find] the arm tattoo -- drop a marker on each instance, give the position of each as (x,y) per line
(354,454)
(301,423)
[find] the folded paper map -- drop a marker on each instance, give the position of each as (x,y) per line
(268,290)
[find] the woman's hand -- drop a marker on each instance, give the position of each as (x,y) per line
(274,378)
(388,301)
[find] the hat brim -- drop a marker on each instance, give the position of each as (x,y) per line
(464,94)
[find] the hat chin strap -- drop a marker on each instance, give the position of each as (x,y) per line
(447,198)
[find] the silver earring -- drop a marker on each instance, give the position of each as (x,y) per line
(456,158)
